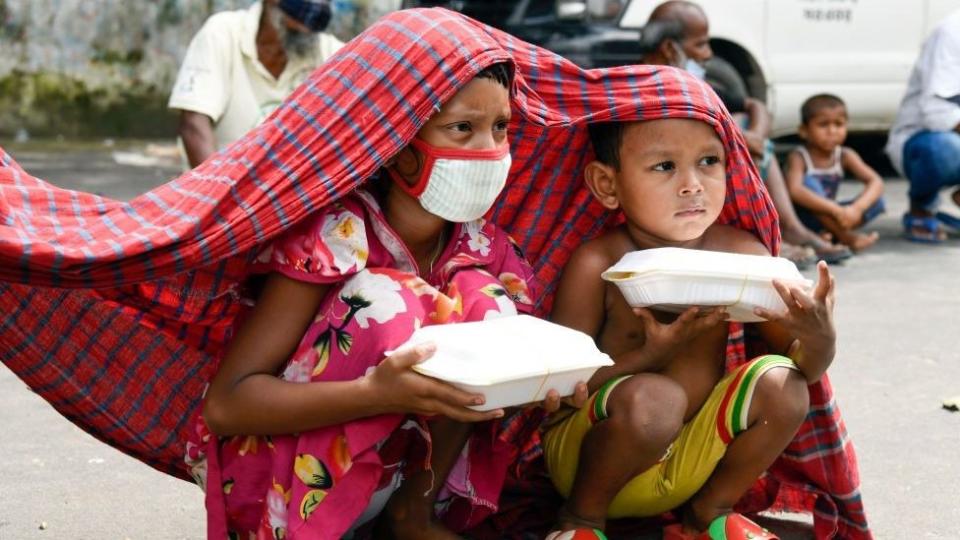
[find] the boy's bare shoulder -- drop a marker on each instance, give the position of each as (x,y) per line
(595,256)
(732,240)
(796,157)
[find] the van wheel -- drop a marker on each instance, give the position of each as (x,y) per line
(722,75)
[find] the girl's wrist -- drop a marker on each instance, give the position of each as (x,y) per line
(366,394)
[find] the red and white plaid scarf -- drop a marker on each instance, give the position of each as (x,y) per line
(113,311)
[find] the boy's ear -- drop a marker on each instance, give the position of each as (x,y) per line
(600,179)
(802,131)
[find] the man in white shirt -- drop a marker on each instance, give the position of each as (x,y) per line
(241,65)
(924,143)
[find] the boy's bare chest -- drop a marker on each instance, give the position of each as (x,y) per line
(623,331)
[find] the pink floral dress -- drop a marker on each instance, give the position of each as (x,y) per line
(325,482)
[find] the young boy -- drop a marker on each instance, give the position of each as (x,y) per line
(652,435)
(815,170)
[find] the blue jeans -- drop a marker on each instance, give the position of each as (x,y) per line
(811,220)
(931,161)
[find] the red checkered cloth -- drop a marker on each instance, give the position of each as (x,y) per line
(115,312)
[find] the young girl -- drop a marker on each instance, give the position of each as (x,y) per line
(320,448)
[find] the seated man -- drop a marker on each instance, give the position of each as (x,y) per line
(241,65)
(924,143)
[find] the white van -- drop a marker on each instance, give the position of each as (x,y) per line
(783,51)
(779,51)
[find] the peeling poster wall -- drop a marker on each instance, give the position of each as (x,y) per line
(84,68)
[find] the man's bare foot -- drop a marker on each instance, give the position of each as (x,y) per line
(861,241)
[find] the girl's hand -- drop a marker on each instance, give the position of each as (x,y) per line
(553,401)
(663,340)
(399,389)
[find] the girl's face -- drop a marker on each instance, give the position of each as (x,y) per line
(476,118)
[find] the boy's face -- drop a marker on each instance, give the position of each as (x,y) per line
(827,129)
(672,180)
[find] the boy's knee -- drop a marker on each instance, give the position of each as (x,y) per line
(783,395)
(650,407)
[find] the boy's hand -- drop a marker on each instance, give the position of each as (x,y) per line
(808,318)
(848,216)
(663,340)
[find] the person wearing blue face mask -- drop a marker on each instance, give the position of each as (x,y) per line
(241,65)
(678,34)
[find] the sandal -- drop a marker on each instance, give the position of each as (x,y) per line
(833,253)
(577,534)
(802,256)
(949,220)
(924,229)
(726,527)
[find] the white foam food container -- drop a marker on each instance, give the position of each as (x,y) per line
(511,360)
(674,279)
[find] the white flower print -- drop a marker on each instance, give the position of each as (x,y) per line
(301,367)
(373,296)
(265,255)
(505,308)
(477,241)
(346,237)
(277,507)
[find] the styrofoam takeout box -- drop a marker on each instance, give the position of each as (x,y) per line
(673,279)
(510,360)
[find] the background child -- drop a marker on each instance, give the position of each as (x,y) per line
(317,430)
(660,430)
(815,169)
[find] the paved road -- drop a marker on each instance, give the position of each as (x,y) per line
(899,357)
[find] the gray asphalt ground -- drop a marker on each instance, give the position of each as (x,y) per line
(898,359)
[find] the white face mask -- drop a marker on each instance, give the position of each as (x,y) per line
(458,184)
(688,64)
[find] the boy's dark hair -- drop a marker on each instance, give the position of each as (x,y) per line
(606,138)
(501,73)
(814,104)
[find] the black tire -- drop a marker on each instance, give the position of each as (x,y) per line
(722,76)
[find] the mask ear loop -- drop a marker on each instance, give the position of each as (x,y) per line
(425,166)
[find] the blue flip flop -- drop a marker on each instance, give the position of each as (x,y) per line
(949,220)
(930,225)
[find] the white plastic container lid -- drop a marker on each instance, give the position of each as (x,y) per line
(673,279)
(486,353)
(715,264)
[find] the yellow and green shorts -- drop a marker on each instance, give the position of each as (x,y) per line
(690,460)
